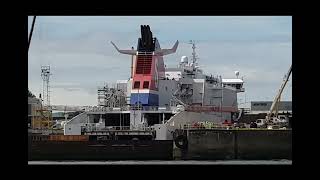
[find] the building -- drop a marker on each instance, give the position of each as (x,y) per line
(33,104)
(264,107)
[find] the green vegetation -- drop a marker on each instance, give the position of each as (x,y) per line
(30,94)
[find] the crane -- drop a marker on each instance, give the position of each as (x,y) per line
(276,101)
(31,31)
(44,117)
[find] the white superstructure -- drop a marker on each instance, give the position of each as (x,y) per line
(186,95)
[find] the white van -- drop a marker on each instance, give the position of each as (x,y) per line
(260,122)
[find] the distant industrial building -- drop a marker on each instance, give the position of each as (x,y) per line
(264,106)
(259,110)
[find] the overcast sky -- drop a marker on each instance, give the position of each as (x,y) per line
(81,57)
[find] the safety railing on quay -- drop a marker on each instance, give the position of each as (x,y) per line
(210,125)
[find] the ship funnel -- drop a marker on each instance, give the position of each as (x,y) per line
(163,52)
(130,52)
(148,44)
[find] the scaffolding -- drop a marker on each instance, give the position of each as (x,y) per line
(45,74)
(111,97)
(42,116)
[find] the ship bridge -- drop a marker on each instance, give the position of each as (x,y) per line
(235,83)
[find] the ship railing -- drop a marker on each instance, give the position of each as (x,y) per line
(117,128)
(207,125)
(45,131)
(210,125)
(196,108)
(127,108)
(114,128)
(151,108)
(144,53)
(106,109)
(246,110)
(107,128)
(145,128)
(135,108)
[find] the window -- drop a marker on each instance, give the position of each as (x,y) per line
(211,101)
(29,109)
(136,85)
(145,84)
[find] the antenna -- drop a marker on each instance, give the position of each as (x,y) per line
(45,74)
(132,59)
(237,74)
(194,56)
(64,113)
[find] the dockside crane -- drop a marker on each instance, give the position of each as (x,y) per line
(31,31)
(273,112)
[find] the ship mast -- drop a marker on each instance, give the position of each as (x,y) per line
(194,56)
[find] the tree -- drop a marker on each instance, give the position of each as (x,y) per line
(30,94)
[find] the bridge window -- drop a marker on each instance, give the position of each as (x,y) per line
(136,85)
(145,84)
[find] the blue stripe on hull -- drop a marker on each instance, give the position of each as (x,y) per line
(146,99)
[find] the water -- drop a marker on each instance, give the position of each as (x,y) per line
(172,162)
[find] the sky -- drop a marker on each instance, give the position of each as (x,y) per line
(81,57)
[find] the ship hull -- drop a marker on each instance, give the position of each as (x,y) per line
(238,144)
(107,150)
